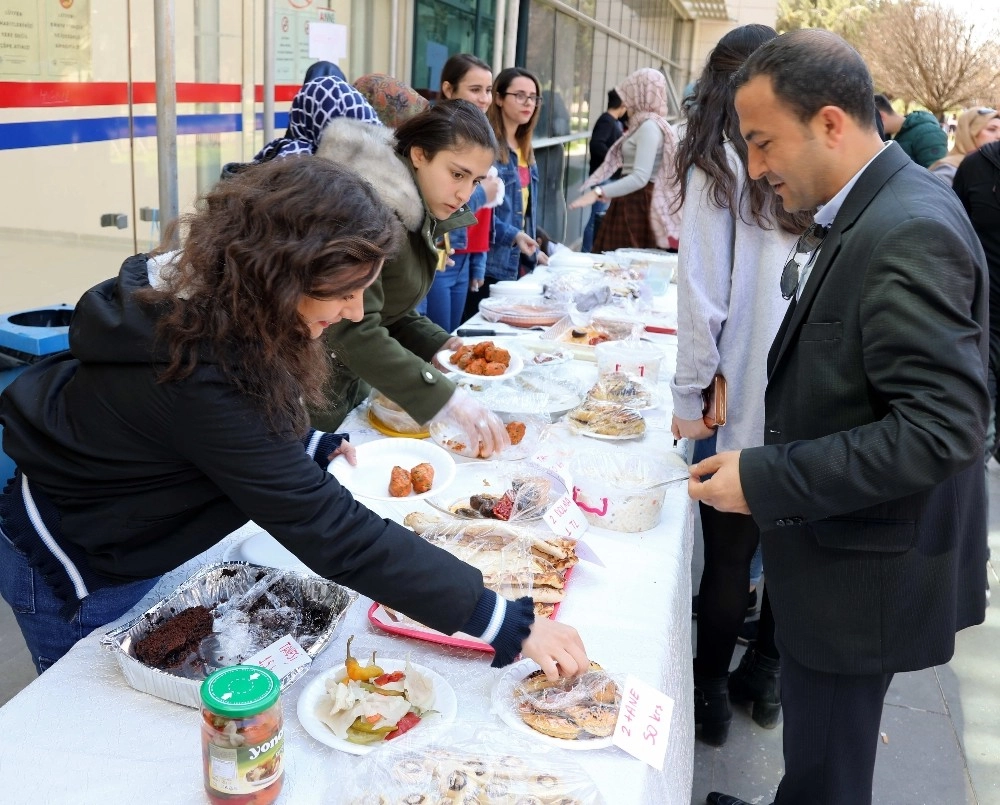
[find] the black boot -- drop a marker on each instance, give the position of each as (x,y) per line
(757,681)
(711,709)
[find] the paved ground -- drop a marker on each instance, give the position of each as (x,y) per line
(941,743)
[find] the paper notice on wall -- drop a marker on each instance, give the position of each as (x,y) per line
(327,41)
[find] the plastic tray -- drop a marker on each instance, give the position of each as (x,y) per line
(381,619)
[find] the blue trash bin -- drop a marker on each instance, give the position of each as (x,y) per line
(27,336)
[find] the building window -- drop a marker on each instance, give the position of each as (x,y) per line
(443,28)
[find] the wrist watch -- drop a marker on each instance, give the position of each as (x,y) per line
(598,191)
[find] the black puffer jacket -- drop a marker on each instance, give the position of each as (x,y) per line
(977,183)
(146,475)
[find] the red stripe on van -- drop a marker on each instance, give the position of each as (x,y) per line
(35,94)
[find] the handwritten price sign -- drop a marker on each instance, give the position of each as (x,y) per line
(643,725)
(565,518)
(282,656)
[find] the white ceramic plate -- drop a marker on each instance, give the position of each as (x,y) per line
(515,367)
(263,549)
(445,703)
(370,478)
(503,706)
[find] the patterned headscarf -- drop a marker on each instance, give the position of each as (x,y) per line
(394,101)
(644,94)
(313,107)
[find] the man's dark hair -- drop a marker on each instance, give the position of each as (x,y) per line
(883,105)
(810,69)
(614,99)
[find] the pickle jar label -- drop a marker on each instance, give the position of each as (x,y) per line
(245,769)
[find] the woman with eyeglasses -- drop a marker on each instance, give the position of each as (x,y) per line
(514,251)
(975,128)
(642,214)
(735,239)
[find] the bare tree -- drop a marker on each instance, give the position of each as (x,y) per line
(927,54)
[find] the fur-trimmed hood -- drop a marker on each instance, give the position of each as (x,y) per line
(370,151)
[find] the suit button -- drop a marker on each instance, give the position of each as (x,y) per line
(797,520)
(429,377)
(780,522)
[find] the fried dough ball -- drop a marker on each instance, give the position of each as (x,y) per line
(479,350)
(400,484)
(500,355)
(516,431)
(457,355)
(476,366)
(422,477)
(494,368)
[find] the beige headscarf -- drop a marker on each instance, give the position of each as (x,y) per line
(644,94)
(970,123)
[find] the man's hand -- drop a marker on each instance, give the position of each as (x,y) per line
(690,428)
(723,491)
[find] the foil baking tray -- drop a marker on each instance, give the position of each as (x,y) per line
(225,588)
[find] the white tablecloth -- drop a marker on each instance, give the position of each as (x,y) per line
(78,734)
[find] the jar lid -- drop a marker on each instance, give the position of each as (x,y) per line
(240,690)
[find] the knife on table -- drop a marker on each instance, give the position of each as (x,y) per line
(473,332)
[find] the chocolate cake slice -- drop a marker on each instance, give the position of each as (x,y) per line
(169,643)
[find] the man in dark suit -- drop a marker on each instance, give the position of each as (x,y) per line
(870,490)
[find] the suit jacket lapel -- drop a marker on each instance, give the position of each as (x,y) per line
(891,160)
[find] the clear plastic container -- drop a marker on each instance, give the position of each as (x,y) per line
(613,491)
(636,359)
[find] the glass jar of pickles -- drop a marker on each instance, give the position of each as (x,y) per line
(241,736)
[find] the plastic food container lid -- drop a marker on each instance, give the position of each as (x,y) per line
(240,690)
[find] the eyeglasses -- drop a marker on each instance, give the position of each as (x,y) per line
(808,241)
(524,99)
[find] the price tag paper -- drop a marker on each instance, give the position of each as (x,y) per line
(565,518)
(282,656)
(643,725)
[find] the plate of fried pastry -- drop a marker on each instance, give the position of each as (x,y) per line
(482,360)
(601,420)
(575,713)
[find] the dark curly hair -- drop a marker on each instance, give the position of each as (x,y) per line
(712,119)
(259,242)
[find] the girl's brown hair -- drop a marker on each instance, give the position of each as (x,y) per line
(525,130)
(456,67)
(259,242)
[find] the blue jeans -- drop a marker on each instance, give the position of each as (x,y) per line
(445,301)
(590,230)
(36,608)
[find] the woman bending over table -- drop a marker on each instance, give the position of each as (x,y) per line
(177,415)
(425,173)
